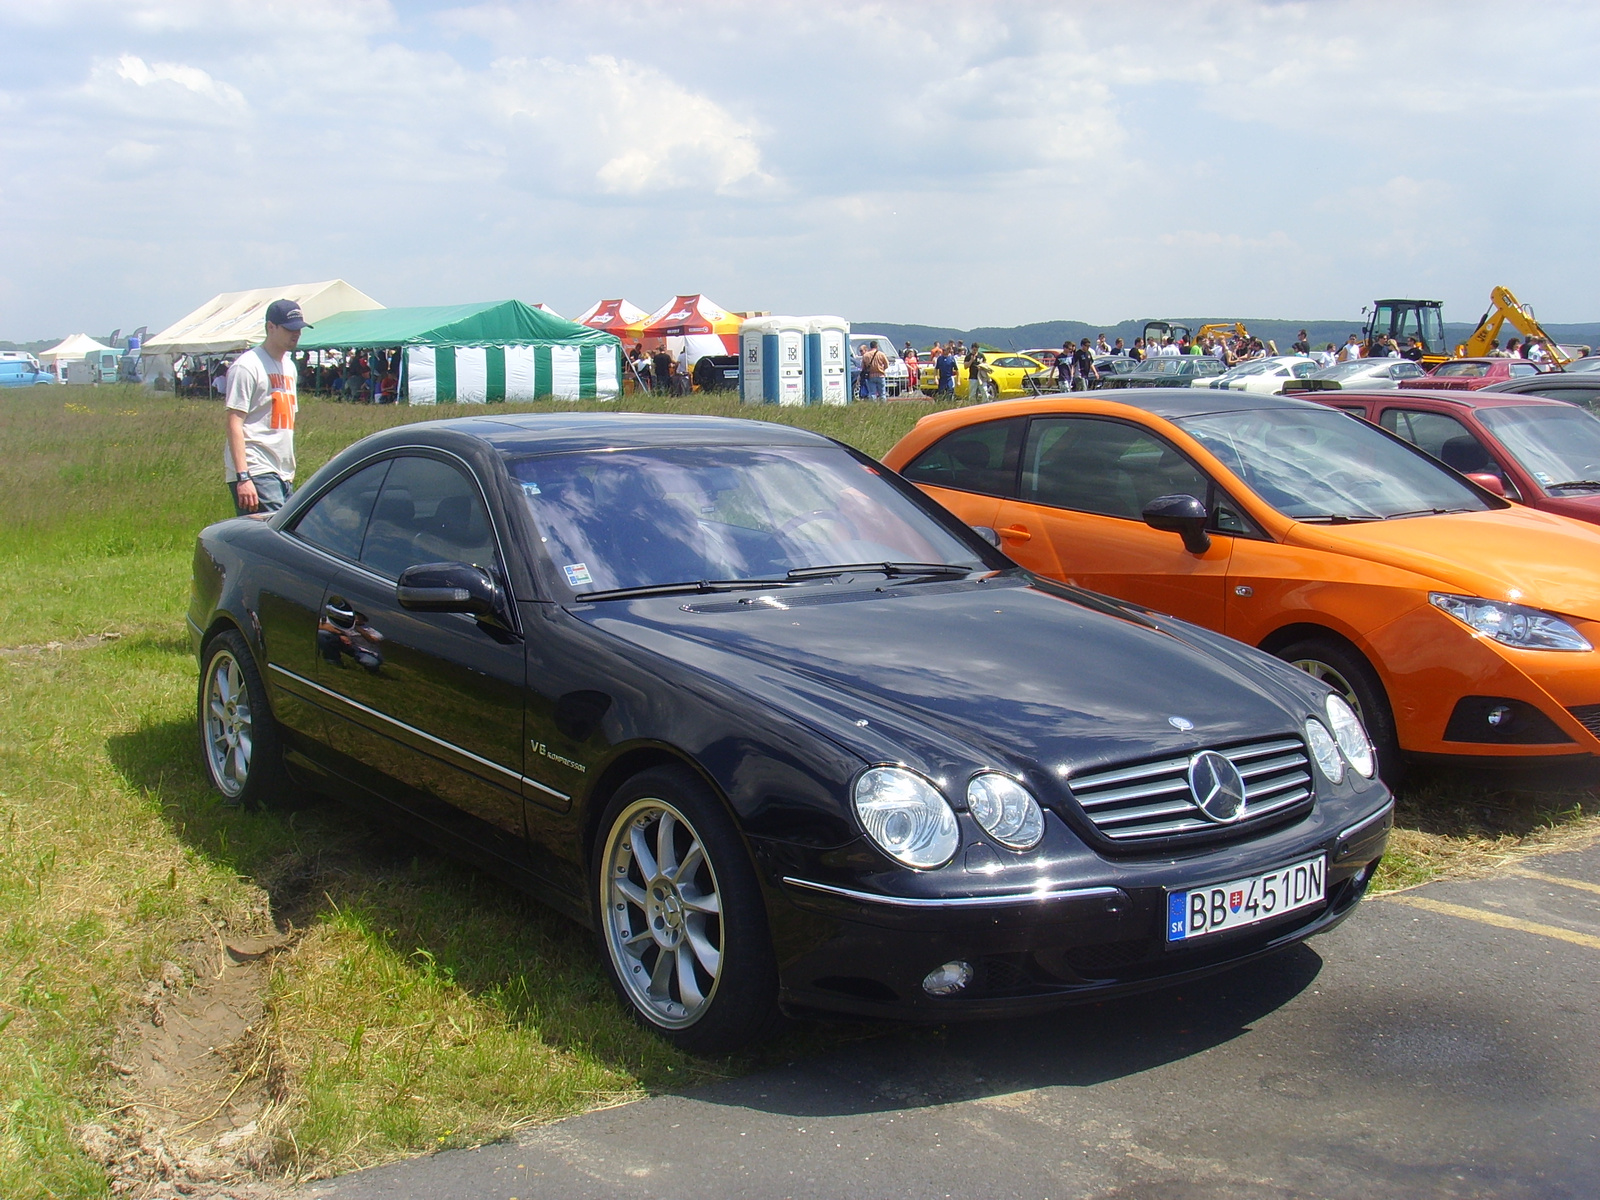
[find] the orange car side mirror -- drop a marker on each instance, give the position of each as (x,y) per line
(1181,515)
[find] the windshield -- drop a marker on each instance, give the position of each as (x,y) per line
(1254,367)
(1171,364)
(667,515)
(1345,370)
(1329,466)
(1555,445)
(1461,370)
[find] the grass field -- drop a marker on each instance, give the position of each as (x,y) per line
(388,1001)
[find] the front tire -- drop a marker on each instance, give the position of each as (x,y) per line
(1347,672)
(680,917)
(239,739)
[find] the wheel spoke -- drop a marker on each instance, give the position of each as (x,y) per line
(690,864)
(241,763)
(701,903)
(641,853)
(642,938)
(219,711)
(661,976)
(688,986)
(667,846)
(630,889)
(710,957)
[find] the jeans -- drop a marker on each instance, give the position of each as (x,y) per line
(271,491)
(872,387)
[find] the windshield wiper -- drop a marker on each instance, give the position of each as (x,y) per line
(677,589)
(887,568)
(1336,519)
(1426,512)
(1573,483)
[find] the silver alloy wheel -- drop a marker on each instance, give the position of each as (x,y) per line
(229,729)
(662,913)
(1318,669)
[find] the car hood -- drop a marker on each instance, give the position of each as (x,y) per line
(1518,553)
(938,675)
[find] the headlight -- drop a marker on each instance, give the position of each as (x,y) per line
(1511,624)
(1005,809)
(907,817)
(1351,735)
(1325,750)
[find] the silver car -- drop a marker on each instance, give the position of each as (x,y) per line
(1371,374)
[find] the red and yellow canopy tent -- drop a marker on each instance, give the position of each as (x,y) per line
(692,327)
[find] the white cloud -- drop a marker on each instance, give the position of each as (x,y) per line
(948,162)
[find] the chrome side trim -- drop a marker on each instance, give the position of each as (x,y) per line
(1372,820)
(999,901)
(190,622)
(421,733)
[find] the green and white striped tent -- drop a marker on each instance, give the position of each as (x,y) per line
(474,353)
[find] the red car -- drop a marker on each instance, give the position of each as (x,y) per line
(1470,374)
(1545,453)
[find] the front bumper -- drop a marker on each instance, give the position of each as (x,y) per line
(1050,945)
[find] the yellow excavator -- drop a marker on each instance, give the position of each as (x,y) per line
(1504,307)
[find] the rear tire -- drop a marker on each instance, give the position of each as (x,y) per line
(679,913)
(1348,673)
(239,739)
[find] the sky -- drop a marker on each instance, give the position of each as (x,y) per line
(948,164)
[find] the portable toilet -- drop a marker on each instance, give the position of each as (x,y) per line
(753,360)
(772,360)
(827,360)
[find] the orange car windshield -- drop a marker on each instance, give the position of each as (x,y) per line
(1328,466)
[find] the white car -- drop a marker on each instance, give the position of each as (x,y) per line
(1371,374)
(894,379)
(1261,376)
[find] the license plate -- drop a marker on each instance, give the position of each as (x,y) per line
(1224,906)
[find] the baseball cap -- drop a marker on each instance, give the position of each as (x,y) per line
(286,314)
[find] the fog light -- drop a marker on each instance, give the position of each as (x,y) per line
(1499,715)
(948,979)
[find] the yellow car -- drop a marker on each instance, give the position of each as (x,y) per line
(1007,371)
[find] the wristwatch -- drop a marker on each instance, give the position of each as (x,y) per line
(243,477)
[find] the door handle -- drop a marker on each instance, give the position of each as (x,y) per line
(1015,533)
(335,609)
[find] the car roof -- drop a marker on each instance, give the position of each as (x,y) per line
(1483,398)
(552,433)
(1168,403)
(1585,380)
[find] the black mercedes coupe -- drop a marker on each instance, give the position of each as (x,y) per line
(784,733)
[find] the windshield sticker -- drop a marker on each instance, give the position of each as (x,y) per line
(1541,479)
(578,574)
(530,489)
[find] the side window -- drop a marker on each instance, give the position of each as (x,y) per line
(1103,466)
(1518,370)
(1444,437)
(428,511)
(1406,369)
(338,521)
(977,458)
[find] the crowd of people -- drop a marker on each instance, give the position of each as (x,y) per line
(362,376)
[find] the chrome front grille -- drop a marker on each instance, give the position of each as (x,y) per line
(1152,799)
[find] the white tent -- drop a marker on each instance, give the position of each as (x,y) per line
(79,345)
(236,321)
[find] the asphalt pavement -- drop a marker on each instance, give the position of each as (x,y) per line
(1442,1043)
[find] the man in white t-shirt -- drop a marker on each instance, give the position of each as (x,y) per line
(1351,350)
(260,410)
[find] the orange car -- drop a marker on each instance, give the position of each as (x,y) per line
(1457,623)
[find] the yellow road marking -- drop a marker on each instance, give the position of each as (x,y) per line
(1500,920)
(1581,884)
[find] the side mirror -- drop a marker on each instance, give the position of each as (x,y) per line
(1488,482)
(448,587)
(987,534)
(1183,515)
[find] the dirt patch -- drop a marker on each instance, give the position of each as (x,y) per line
(193,1112)
(34,650)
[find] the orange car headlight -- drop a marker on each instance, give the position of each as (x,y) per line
(1511,624)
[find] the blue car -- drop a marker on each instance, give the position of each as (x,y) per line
(21,373)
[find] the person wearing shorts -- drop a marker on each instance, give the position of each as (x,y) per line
(259,408)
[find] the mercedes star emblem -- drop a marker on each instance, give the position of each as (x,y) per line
(1217,786)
